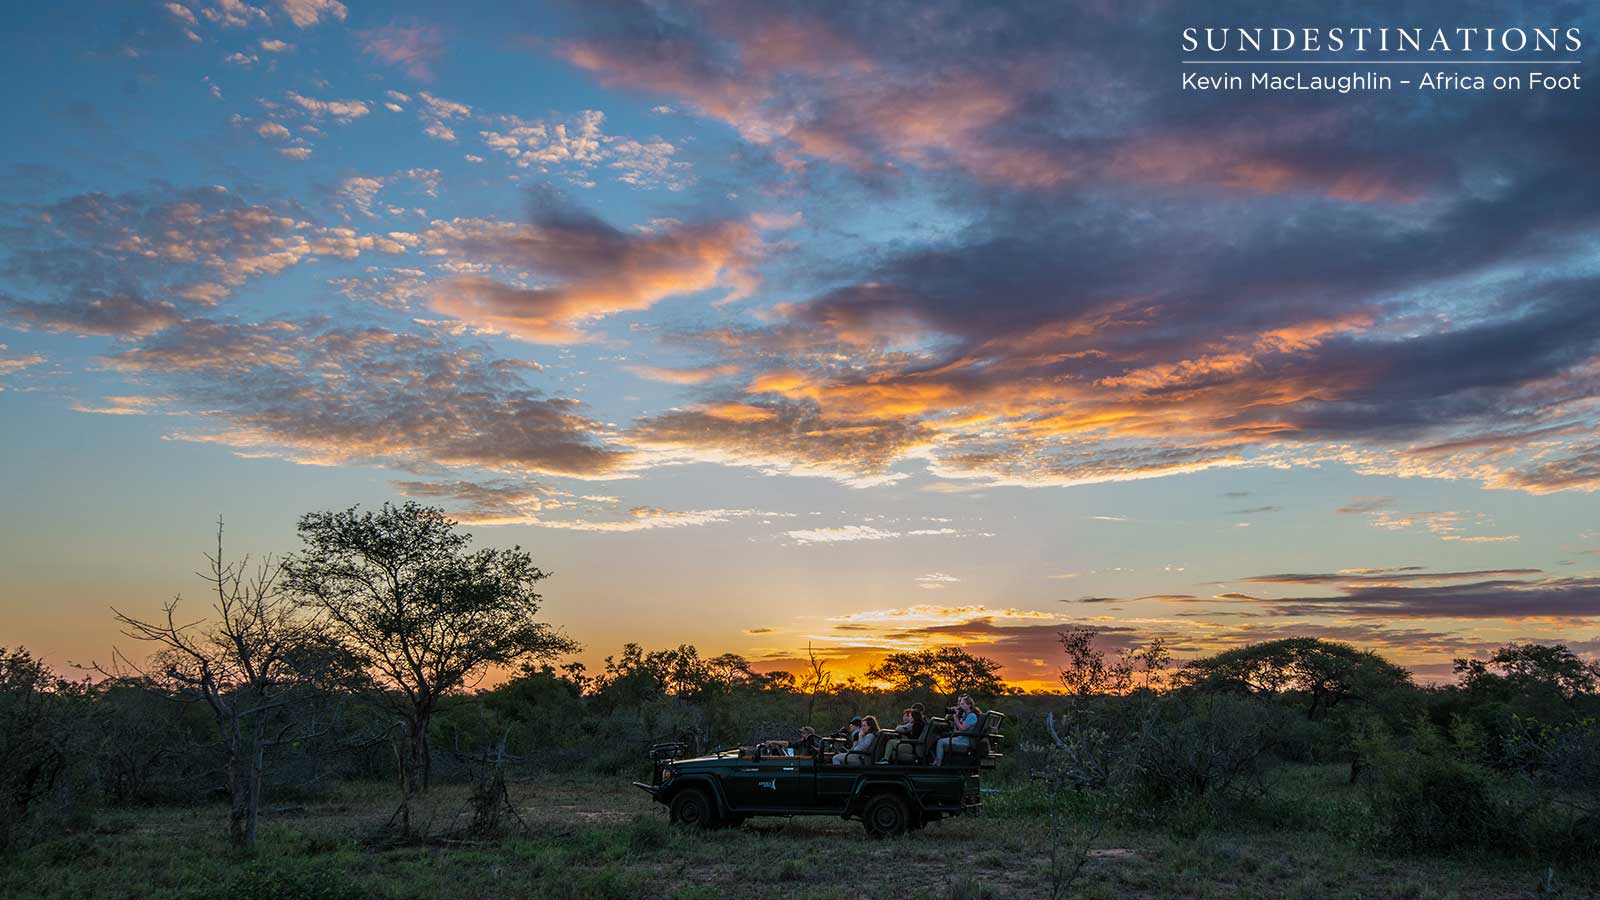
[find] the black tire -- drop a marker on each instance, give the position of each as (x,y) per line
(886,815)
(691,808)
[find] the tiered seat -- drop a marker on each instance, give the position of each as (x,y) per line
(988,734)
(989,723)
(903,751)
(889,748)
(885,746)
(873,753)
(937,727)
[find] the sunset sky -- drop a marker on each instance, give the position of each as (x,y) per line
(760,325)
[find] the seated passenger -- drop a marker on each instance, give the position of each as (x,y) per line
(965,724)
(912,723)
(808,744)
(850,732)
(867,736)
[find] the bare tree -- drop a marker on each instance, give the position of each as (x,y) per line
(246,665)
(423,614)
(815,680)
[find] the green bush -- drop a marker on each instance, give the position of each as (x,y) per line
(43,785)
(1423,797)
(1208,746)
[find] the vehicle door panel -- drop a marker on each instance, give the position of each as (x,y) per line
(773,781)
(835,784)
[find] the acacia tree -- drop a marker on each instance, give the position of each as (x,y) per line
(731,670)
(424,614)
(1328,676)
(256,658)
(1326,672)
(950,671)
(1530,669)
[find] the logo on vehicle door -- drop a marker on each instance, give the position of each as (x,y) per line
(771,785)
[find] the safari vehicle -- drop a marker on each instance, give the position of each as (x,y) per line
(890,788)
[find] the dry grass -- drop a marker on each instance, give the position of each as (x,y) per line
(603,838)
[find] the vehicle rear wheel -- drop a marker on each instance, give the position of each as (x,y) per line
(692,807)
(886,815)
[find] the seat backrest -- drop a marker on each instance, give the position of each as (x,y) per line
(990,723)
(930,735)
(872,753)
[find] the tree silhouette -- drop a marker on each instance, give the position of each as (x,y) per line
(1155,657)
(949,671)
(1086,670)
(424,614)
(1327,672)
(1530,669)
(36,735)
(246,666)
(816,679)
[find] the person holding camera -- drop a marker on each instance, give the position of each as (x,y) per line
(965,722)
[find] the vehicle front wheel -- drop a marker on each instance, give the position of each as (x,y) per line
(886,815)
(692,807)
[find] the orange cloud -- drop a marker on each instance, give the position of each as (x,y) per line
(699,375)
(599,271)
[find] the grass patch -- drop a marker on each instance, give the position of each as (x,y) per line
(600,838)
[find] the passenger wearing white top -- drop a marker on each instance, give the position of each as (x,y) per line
(864,741)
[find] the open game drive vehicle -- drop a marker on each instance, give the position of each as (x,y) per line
(891,788)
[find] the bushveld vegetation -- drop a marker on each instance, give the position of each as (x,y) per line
(330,697)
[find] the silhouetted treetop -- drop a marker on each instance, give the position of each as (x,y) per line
(1327,671)
(1530,669)
(949,671)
